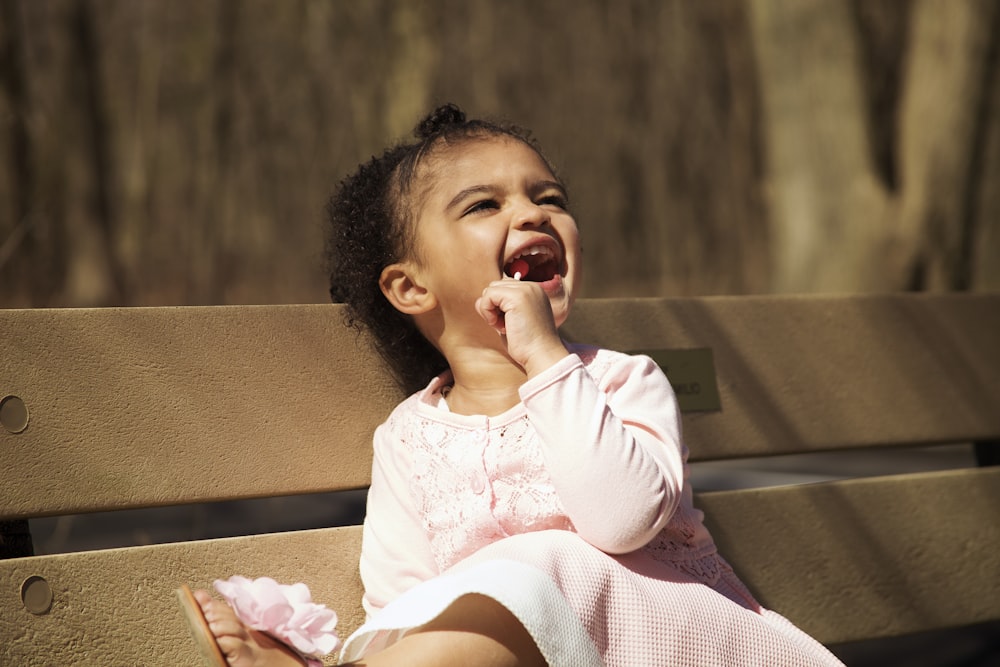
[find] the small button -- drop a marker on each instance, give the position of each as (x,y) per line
(477,481)
(36,595)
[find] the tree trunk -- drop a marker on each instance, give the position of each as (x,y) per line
(942,127)
(826,202)
(837,224)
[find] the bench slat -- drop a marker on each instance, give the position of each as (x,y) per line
(117,607)
(802,374)
(142,407)
(146,407)
(867,558)
(844,560)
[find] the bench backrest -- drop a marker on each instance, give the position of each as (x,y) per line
(125,408)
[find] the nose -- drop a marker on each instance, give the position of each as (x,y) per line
(528,214)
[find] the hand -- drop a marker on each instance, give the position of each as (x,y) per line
(521,312)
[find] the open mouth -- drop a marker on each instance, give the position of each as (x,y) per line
(537,264)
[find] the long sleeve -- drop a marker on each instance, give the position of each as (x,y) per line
(613,451)
(395,552)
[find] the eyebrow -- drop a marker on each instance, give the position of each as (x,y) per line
(534,188)
(468,192)
(541,186)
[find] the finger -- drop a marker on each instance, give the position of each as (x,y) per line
(503,297)
(490,312)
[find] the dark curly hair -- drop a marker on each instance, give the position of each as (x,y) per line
(370,226)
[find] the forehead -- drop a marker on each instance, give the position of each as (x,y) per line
(489,161)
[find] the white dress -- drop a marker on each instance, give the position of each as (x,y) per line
(573,511)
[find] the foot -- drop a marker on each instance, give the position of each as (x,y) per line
(243,646)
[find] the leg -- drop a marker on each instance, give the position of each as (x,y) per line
(474,630)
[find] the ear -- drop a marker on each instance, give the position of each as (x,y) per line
(398,283)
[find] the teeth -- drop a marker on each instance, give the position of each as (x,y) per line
(535,250)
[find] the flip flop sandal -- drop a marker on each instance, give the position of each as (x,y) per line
(203,636)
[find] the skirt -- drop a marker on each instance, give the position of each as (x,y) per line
(585,608)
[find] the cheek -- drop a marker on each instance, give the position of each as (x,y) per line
(574,250)
(463,267)
(478,249)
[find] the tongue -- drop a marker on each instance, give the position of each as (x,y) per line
(518,269)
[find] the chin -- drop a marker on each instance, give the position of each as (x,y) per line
(561,301)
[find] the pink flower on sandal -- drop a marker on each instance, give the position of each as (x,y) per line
(287,613)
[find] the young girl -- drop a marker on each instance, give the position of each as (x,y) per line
(529,502)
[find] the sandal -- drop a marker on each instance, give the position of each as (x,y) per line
(203,636)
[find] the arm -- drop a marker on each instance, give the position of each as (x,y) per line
(613,451)
(395,552)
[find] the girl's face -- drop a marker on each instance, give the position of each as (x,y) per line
(488,208)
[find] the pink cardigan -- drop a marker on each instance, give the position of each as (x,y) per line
(593,447)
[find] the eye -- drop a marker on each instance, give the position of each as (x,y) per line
(554,199)
(482,206)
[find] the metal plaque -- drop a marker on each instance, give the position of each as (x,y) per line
(692,374)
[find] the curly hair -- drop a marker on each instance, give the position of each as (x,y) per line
(370,226)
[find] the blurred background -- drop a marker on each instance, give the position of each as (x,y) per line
(182,152)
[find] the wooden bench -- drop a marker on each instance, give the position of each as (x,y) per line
(146,407)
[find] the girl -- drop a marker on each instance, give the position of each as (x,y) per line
(529,505)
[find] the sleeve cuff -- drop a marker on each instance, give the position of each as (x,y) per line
(550,376)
